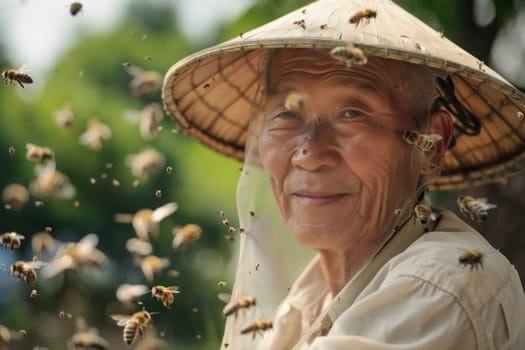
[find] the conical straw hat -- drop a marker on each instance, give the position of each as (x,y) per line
(211,93)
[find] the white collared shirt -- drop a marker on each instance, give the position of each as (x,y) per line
(423,298)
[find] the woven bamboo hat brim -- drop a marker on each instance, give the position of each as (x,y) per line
(211,93)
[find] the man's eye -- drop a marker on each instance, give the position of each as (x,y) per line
(286,115)
(352,113)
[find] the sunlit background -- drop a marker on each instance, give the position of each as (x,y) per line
(82,63)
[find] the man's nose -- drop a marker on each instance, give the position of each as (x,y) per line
(317,149)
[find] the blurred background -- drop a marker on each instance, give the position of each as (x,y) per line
(96,64)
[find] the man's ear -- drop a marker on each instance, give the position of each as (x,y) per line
(440,123)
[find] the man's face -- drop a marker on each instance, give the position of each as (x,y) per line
(338,166)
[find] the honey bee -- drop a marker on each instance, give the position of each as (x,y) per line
(349,55)
(96,135)
(164,294)
(423,213)
(19,75)
(75,8)
(138,246)
(472,257)
(64,117)
(145,222)
(475,208)
(133,325)
(125,293)
(256,327)
(294,102)
(11,240)
(152,265)
(15,196)
(423,142)
(186,235)
(148,119)
(145,162)
(87,340)
(143,82)
(82,254)
(364,15)
(241,303)
(39,154)
(51,183)
(42,242)
(26,270)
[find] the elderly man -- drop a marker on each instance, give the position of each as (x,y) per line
(344,119)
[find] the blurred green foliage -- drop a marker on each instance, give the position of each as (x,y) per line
(91,79)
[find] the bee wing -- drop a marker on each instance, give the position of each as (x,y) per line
(432,137)
(35,264)
(487,205)
(23,68)
(164,211)
(132,69)
(87,243)
(58,265)
(123,218)
(173,289)
(121,319)
(224,297)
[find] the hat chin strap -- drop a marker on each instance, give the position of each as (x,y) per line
(426,180)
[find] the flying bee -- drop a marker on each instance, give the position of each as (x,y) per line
(87,340)
(423,213)
(19,75)
(125,293)
(75,8)
(349,55)
(423,142)
(82,254)
(145,222)
(294,102)
(34,294)
(145,162)
(6,335)
(15,196)
(241,303)
(472,257)
(164,294)
(364,15)
(26,270)
(42,242)
(51,183)
(186,235)
(148,120)
(143,82)
(11,240)
(64,117)
(96,135)
(256,327)
(139,247)
(133,325)
(152,265)
(39,154)
(475,208)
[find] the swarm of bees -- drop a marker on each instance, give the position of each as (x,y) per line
(349,55)
(133,325)
(476,209)
(472,258)
(363,16)
(18,75)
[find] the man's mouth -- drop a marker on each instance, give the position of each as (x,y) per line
(307,198)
